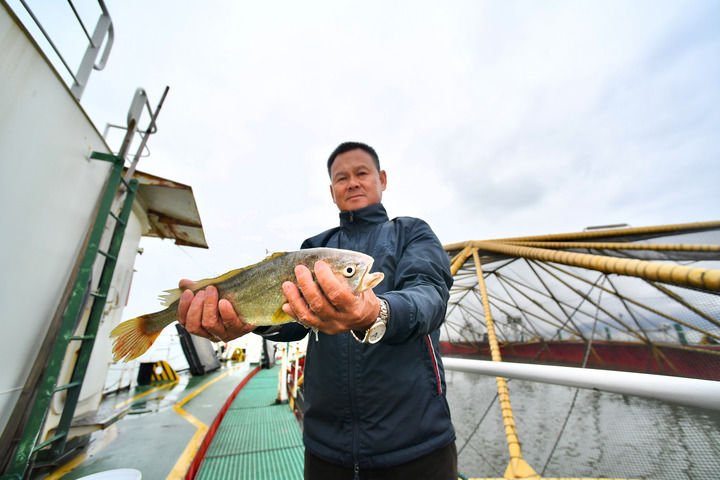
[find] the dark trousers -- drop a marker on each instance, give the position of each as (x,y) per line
(438,465)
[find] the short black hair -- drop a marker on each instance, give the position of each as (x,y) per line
(348,146)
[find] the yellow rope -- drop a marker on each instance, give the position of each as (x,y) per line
(671,247)
(518,467)
(623,232)
(702,278)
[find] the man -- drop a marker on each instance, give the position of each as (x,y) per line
(375,402)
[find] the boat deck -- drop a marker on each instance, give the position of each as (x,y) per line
(256,437)
(223,425)
(166,425)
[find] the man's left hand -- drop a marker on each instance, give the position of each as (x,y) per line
(328,305)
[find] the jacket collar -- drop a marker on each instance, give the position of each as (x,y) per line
(372,214)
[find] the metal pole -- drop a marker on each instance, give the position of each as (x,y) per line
(153,119)
(690,392)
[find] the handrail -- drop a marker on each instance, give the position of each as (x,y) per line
(690,392)
(104,32)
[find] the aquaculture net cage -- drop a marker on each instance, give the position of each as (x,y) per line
(642,300)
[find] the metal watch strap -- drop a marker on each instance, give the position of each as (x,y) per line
(382,318)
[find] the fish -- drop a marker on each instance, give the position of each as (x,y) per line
(255,293)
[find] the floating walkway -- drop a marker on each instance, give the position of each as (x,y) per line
(253,437)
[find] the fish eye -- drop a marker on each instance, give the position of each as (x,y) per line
(349,271)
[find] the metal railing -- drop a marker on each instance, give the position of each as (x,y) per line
(93,59)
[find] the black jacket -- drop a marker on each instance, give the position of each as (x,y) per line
(381,405)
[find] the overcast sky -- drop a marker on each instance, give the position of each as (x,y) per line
(491,118)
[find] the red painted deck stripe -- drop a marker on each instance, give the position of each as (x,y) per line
(200,456)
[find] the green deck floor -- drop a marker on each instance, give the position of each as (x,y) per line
(256,439)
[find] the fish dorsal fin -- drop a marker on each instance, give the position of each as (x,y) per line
(171,296)
(168,297)
(200,284)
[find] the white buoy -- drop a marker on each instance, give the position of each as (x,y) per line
(116,474)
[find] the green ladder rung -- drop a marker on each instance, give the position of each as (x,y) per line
(67,386)
(117,160)
(82,337)
(107,255)
(50,441)
(118,219)
(98,294)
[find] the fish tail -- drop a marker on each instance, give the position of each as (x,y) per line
(134,337)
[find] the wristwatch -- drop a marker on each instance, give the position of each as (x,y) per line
(377,329)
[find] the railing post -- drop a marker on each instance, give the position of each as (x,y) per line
(103,29)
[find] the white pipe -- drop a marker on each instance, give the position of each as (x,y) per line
(681,390)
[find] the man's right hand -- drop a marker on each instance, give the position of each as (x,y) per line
(203,315)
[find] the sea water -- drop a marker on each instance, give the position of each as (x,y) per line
(569,432)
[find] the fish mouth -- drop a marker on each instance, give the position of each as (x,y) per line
(370,280)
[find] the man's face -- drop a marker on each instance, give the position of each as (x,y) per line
(355,181)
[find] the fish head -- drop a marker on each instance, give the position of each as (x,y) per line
(354,267)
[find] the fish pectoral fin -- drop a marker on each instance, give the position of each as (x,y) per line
(280,317)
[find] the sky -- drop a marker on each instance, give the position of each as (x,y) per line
(491,118)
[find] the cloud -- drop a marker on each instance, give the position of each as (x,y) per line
(491,118)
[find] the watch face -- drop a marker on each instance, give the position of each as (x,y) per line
(376,333)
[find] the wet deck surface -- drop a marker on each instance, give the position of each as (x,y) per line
(162,421)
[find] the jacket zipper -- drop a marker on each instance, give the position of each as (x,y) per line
(435,363)
(351,385)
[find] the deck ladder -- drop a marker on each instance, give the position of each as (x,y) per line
(57,446)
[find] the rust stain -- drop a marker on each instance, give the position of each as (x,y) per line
(167,220)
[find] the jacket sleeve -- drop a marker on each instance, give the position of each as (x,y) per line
(287,332)
(420,292)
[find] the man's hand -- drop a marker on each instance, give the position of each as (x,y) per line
(198,313)
(328,305)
